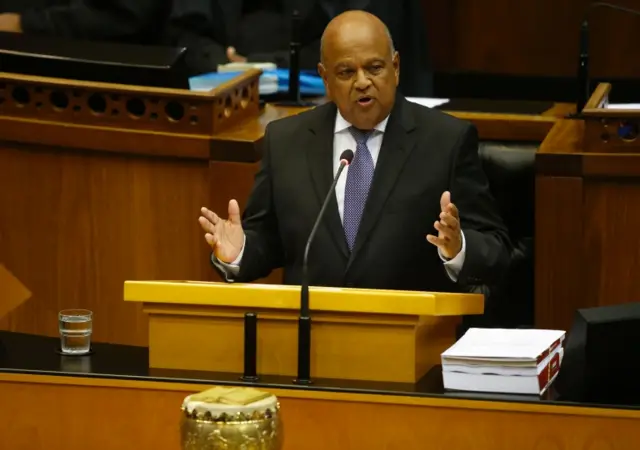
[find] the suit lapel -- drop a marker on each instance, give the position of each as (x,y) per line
(320,161)
(397,144)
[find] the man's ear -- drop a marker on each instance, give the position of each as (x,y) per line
(396,66)
(323,74)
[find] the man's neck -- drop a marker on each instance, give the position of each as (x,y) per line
(342,124)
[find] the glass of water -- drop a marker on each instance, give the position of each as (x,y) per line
(75,326)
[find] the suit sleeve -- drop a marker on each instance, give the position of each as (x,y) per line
(204,54)
(487,241)
(94,19)
(263,250)
(309,57)
(195,24)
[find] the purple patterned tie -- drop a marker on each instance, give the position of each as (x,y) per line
(359,179)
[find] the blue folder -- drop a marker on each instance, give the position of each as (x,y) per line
(310,82)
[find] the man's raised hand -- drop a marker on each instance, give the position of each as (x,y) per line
(225,237)
(449,239)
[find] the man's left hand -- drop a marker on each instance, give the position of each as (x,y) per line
(10,22)
(449,239)
(232,56)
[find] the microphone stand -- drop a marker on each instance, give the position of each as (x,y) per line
(584,86)
(304,321)
(250,372)
(293,95)
(583,68)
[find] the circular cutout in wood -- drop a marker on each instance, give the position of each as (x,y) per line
(59,100)
(21,96)
(97,103)
(174,111)
(136,107)
(628,131)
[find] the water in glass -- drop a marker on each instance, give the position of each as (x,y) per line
(75,331)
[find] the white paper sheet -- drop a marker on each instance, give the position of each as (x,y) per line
(428,102)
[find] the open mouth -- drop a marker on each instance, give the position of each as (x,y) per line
(364,101)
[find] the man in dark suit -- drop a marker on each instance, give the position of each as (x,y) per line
(415,170)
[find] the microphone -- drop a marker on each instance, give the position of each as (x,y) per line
(293,95)
(584,90)
(304,321)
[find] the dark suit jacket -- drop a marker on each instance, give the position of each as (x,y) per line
(424,153)
(208,27)
(133,21)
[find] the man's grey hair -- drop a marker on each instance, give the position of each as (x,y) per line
(392,47)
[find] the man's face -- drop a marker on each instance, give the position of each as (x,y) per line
(361,75)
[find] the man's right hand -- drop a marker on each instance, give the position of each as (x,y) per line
(225,237)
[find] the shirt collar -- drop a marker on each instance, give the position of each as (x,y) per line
(342,124)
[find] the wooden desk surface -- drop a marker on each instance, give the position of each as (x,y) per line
(238,142)
(72,406)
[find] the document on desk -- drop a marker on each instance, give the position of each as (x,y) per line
(624,106)
(511,361)
(428,101)
(12,292)
(496,345)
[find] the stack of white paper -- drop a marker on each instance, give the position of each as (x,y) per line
(268,83)
(626,106)
(428,101)
(502,360)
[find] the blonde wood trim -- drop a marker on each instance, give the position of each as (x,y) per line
(567,136)
(142,133)
(519,118)
(267,296)
(599,97)
(559,110)
(608,113)
(146,90)
(597,105)
(436,402)
(156,309)
(232,83)
(112,140)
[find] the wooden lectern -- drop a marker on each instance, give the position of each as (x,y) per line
(588,212)
(373,335)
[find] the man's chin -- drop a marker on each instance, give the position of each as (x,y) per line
(364,120)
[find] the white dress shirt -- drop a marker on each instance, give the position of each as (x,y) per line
(342,141)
